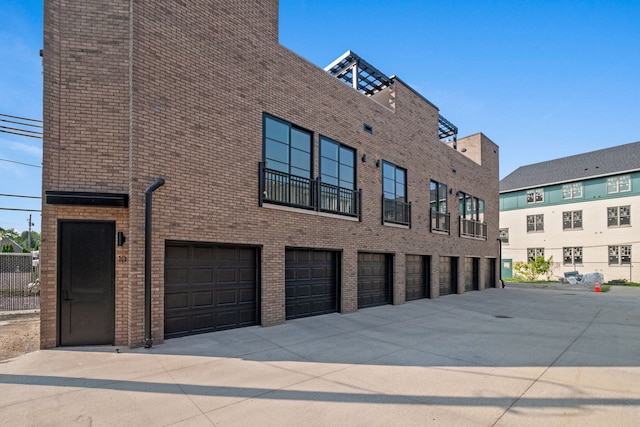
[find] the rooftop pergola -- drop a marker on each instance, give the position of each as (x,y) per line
(358,73)
(367,79)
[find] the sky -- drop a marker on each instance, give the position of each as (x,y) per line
(542,79)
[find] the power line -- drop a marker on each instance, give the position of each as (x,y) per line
(20,210)
(21,118)
(22,122)
(18,131)
(16,195)
(20,163)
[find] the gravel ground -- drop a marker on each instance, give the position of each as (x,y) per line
(19,333)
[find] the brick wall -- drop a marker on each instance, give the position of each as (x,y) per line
(202,75)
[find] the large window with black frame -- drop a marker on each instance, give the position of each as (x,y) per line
(287,163)
(471,210)
(395,207)
(337,177)
(440,221)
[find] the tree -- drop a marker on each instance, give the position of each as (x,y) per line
(24,240)
(7,248)
(534,268)
(12,234)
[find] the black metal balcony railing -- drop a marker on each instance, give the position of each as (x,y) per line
(396,212)
(473,229)
(440,221)
(291,190)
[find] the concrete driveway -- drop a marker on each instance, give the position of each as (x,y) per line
(504,357)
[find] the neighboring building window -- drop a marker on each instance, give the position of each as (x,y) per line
(619,184)
(572,191)
(571,220)
(619,255)
(504,235)
(535,196)
(572,256)
(337,177)
(535,223)
(533,253)
(438,203)
(394,188)
(618,216)
(287,163)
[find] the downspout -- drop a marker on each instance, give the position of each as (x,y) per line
(148,341)
(500,263)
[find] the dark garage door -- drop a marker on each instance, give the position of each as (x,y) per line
(374,279)
(209,288)
(471,274)
(310,282)
(448,275)
(416,277)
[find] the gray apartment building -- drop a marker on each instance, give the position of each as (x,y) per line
(199,176)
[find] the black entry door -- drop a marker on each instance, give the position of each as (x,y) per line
(87,280)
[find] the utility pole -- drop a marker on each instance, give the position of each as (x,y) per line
(29,235)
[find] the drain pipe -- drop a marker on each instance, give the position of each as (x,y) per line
(500,263)
(148,341)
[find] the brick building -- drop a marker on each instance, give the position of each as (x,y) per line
(199,176)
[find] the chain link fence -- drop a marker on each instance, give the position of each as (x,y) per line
(19,281)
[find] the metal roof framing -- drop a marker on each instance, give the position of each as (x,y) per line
(446,129)
(358,73)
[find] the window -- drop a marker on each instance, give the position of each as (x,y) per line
(337,164)
(287,158)
(572,191)
(533,253)
(337,177)
(619,184)
(572,220)
(535,223)
(471,210)
(438,197)
(619,255)
(535,196)
(572,256)
(394,187)
(440,219)
(619,216)
(470,207)
(287,148)
(504,235)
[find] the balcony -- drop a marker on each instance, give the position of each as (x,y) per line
(440,222)
(473,229)
(290,190)
(396,212)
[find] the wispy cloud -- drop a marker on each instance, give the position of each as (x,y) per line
(22,148)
